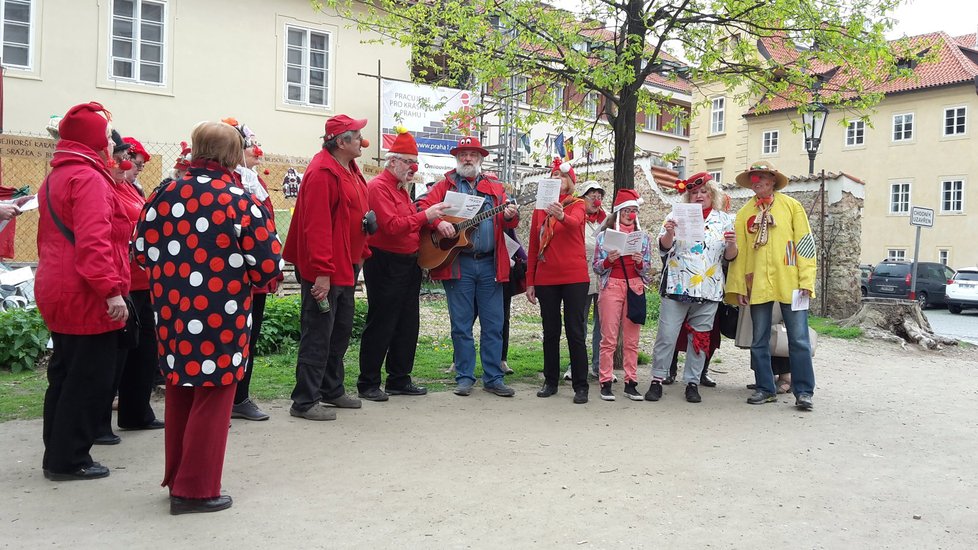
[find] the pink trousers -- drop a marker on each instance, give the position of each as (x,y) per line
(611,309)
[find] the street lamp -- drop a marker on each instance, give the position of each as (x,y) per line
(814,120)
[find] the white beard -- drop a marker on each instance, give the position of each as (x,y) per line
(468,171)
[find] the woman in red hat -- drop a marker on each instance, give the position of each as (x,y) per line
(82,275)
(556,273)
(618,273)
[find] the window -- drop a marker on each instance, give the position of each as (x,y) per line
(307,67)
(769,142)
(520,85)
(137,41)
(651,122)
(856,133)
(558,99)
(678,126)
(943,255)
(954,121)
(717,106)
(899,198)
(896,254)
(591,104)
(16,33)
(903,127)
(717,176)
(952,196)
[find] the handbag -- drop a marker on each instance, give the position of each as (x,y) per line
(635,302)
(728,316)
(129,334)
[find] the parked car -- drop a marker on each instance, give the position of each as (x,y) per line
(891,279)
(864,271)
(962,291)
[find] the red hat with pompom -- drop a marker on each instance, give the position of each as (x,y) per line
(404,143)
(561,166)
(626,198)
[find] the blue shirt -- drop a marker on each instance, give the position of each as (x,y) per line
(484,236)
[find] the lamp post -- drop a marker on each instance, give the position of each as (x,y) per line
(814,120)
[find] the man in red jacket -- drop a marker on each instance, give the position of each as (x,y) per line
(393,277)
(326,243)
(473,281)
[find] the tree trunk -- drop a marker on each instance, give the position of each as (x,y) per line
(623,126)
(899,321)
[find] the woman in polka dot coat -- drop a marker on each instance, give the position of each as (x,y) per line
(205,242)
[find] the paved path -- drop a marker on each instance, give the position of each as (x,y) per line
(893,438)
(963,326)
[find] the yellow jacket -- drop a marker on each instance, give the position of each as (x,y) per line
(787,262)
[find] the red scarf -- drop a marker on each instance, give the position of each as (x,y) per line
(597,217)
(706,212)
(547,227)
(765,201)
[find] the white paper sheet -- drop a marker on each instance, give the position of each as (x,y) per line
(624,243)
(462,205)
(548,191)
(633,242)
(29,205)
(799,302)
(512,247)
(689,221)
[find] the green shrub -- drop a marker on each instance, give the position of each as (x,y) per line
(652,304)
(23,338)
(282,324)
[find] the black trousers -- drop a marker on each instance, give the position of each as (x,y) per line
(393,319)
(80,378)
(323,341)
(257,316)
(574,298)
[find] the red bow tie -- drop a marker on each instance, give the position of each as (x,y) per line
(765,201)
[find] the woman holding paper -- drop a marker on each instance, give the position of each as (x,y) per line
(623,259)
(693,280)
(556,273)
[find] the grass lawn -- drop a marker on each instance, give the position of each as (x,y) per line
(22,394)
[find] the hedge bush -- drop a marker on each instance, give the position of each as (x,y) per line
(281,327)
(23,339)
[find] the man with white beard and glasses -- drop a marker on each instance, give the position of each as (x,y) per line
(473,280)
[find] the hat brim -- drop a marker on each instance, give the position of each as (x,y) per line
(743,179)
(455,150)
(591,186)
(358,124)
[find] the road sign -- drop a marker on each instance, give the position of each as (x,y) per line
(922,217)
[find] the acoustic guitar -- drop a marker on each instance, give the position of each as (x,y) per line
(435,251)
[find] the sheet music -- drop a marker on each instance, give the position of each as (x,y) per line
(614,240)
(462,205)
(633,242)
(548,191)
(799,302)
(689,221)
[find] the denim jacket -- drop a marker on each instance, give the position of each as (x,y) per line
(600,255)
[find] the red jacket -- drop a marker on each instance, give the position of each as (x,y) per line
(398,219)
(73,282)
(132,201)
(565,259)
(319,241)
(497,195)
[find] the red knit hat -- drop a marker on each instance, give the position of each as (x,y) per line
(561,166)
(626,198)
(136,148)
(87,124)
(404,143)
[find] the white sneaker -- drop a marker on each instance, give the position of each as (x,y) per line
(567,375)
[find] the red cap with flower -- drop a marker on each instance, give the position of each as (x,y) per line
(693,182)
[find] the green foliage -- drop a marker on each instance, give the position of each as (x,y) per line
(829,327)
(652,302)
(23,337)
(282,324)
(22,394)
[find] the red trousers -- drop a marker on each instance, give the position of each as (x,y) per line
(197,420)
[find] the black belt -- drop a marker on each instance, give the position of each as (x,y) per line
(479,255)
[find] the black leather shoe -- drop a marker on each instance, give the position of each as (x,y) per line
(580,397)
(95,471)
(110,439)
(410,389)
(547,390)
(198,505)
(708,382)
(156,424)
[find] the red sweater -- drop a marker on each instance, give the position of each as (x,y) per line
(564,261)
(319,241)
(398,219)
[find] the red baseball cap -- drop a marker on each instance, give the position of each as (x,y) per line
(338,124)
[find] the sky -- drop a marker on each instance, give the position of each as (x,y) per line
(955,17)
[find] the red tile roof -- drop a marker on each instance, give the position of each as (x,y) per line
(952,66)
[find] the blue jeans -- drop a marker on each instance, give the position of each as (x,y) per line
(476,289)
(799,348)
